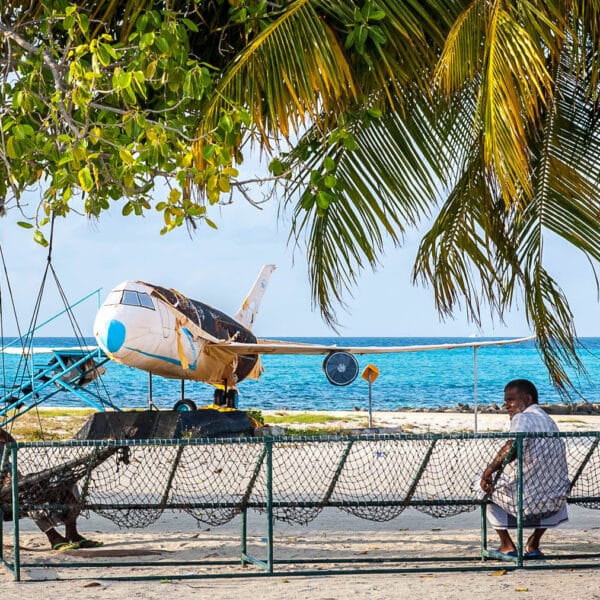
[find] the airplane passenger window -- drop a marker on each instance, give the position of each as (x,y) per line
(131,298)
(145,300)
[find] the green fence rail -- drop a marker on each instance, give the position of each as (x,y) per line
(293,479)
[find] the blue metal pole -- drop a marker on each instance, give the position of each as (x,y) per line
(62,312)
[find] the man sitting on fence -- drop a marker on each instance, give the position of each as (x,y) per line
(48,520)
(545,473)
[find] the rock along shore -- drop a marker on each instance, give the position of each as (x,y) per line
(575,408)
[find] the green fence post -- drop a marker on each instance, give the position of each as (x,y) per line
(483,529)
(269,467)
(243,537)
(520,500)
(15,510)
(1,536)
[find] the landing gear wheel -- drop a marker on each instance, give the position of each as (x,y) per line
(184,405)
(231,399)
(219,397)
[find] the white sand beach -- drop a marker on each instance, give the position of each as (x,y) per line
(333,534)
(435,422)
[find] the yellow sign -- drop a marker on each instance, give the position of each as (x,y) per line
(370,373)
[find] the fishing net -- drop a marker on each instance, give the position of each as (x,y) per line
(133,482)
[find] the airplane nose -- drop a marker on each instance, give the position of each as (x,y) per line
(113,336)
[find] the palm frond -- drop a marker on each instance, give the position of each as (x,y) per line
(462,256)
(388,183)
(293,73)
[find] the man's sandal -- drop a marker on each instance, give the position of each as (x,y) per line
(64,546)
(83,543)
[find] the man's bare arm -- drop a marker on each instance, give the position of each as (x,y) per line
(506,454)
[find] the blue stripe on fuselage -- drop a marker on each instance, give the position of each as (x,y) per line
(173,361)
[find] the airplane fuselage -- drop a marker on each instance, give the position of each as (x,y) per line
(163,332)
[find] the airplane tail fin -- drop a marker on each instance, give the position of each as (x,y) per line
(249,309)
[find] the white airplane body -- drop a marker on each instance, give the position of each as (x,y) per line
(163,332)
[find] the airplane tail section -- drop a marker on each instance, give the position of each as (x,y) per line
(249,309)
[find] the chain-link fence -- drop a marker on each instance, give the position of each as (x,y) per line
(376,477)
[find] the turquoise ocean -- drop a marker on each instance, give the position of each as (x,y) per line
(432,379)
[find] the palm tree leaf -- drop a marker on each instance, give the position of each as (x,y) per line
(293,72)
(388,183)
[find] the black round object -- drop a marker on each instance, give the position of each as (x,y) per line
(231,398)
(184,405)
(341,368)
(219,397)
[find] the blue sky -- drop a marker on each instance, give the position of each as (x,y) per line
(218,267)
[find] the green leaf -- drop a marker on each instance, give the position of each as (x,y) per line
(190,24)
(24,224)
(276,167)
(12,148)
(315,178)
(226,123)
(84,23)
(126,156)
(162,44)
(377,35)
(330,181)
(85,179)
(329,164)
(103,55)
(22,132)
(324,200)
(350,143)
(208,152)
(68,22)
(124,79)
(39,238)
(361,38)
(350,38)
(377,15)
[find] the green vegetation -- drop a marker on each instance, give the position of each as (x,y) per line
(48,424)
(256,415)
(324,424)
(300,418)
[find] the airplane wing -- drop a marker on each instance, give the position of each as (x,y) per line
(282,347)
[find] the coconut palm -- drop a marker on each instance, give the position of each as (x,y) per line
(478,117)
(482,115)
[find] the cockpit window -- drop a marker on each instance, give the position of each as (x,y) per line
(132,298)
(145,300)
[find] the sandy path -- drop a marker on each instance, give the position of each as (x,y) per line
(333,534)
